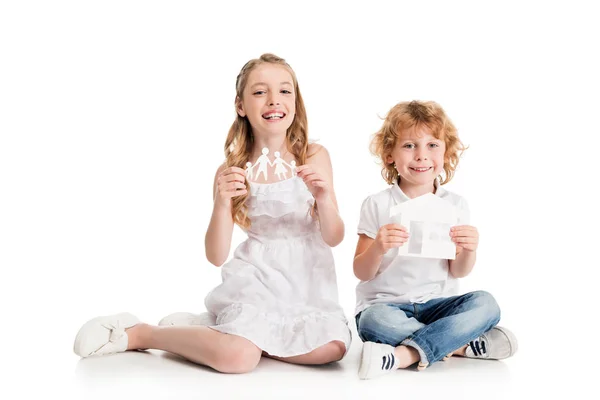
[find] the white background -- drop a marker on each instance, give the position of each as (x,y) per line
(113,117)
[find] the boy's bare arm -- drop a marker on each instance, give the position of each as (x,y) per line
(370,252)
(367,258)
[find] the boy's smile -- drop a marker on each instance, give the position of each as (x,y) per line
(419,160)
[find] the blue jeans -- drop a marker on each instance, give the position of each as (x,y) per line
(435,328)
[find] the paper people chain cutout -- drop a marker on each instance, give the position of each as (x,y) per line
(281,167)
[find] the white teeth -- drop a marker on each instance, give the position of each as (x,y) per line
(421,169)
(274,115)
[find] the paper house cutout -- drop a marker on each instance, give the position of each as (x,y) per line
(428,219)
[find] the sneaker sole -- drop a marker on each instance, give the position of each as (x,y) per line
(80,343)
(366,352)
(512,340)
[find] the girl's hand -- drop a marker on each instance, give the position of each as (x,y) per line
(465,237)
(313,179)
(230,183)
(390,236)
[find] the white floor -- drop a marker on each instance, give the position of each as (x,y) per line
(155,374)
(160,374)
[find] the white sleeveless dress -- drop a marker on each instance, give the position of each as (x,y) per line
(279,290)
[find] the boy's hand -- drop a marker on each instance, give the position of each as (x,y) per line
(465,237)
(390,236)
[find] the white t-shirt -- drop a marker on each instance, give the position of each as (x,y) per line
(401,279)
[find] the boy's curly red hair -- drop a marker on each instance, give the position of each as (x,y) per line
(411,114)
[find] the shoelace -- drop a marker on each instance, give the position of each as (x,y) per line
(116,333)
(478,346)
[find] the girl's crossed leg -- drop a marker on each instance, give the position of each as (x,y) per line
(220,351)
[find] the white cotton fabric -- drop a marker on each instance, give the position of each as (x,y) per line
(280,290)
(403,279)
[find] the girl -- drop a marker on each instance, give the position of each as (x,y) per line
(407,309)
(278,296)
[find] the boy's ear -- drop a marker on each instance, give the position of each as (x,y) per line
(239,107)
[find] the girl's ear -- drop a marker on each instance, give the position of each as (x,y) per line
(239,107)
(388,159)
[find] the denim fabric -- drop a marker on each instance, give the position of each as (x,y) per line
(435,328)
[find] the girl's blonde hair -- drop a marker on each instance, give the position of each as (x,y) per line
(411,114)
(240,140)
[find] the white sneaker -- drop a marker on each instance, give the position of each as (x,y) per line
(188,319)
(104,335)
(377,359)
(496,344)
